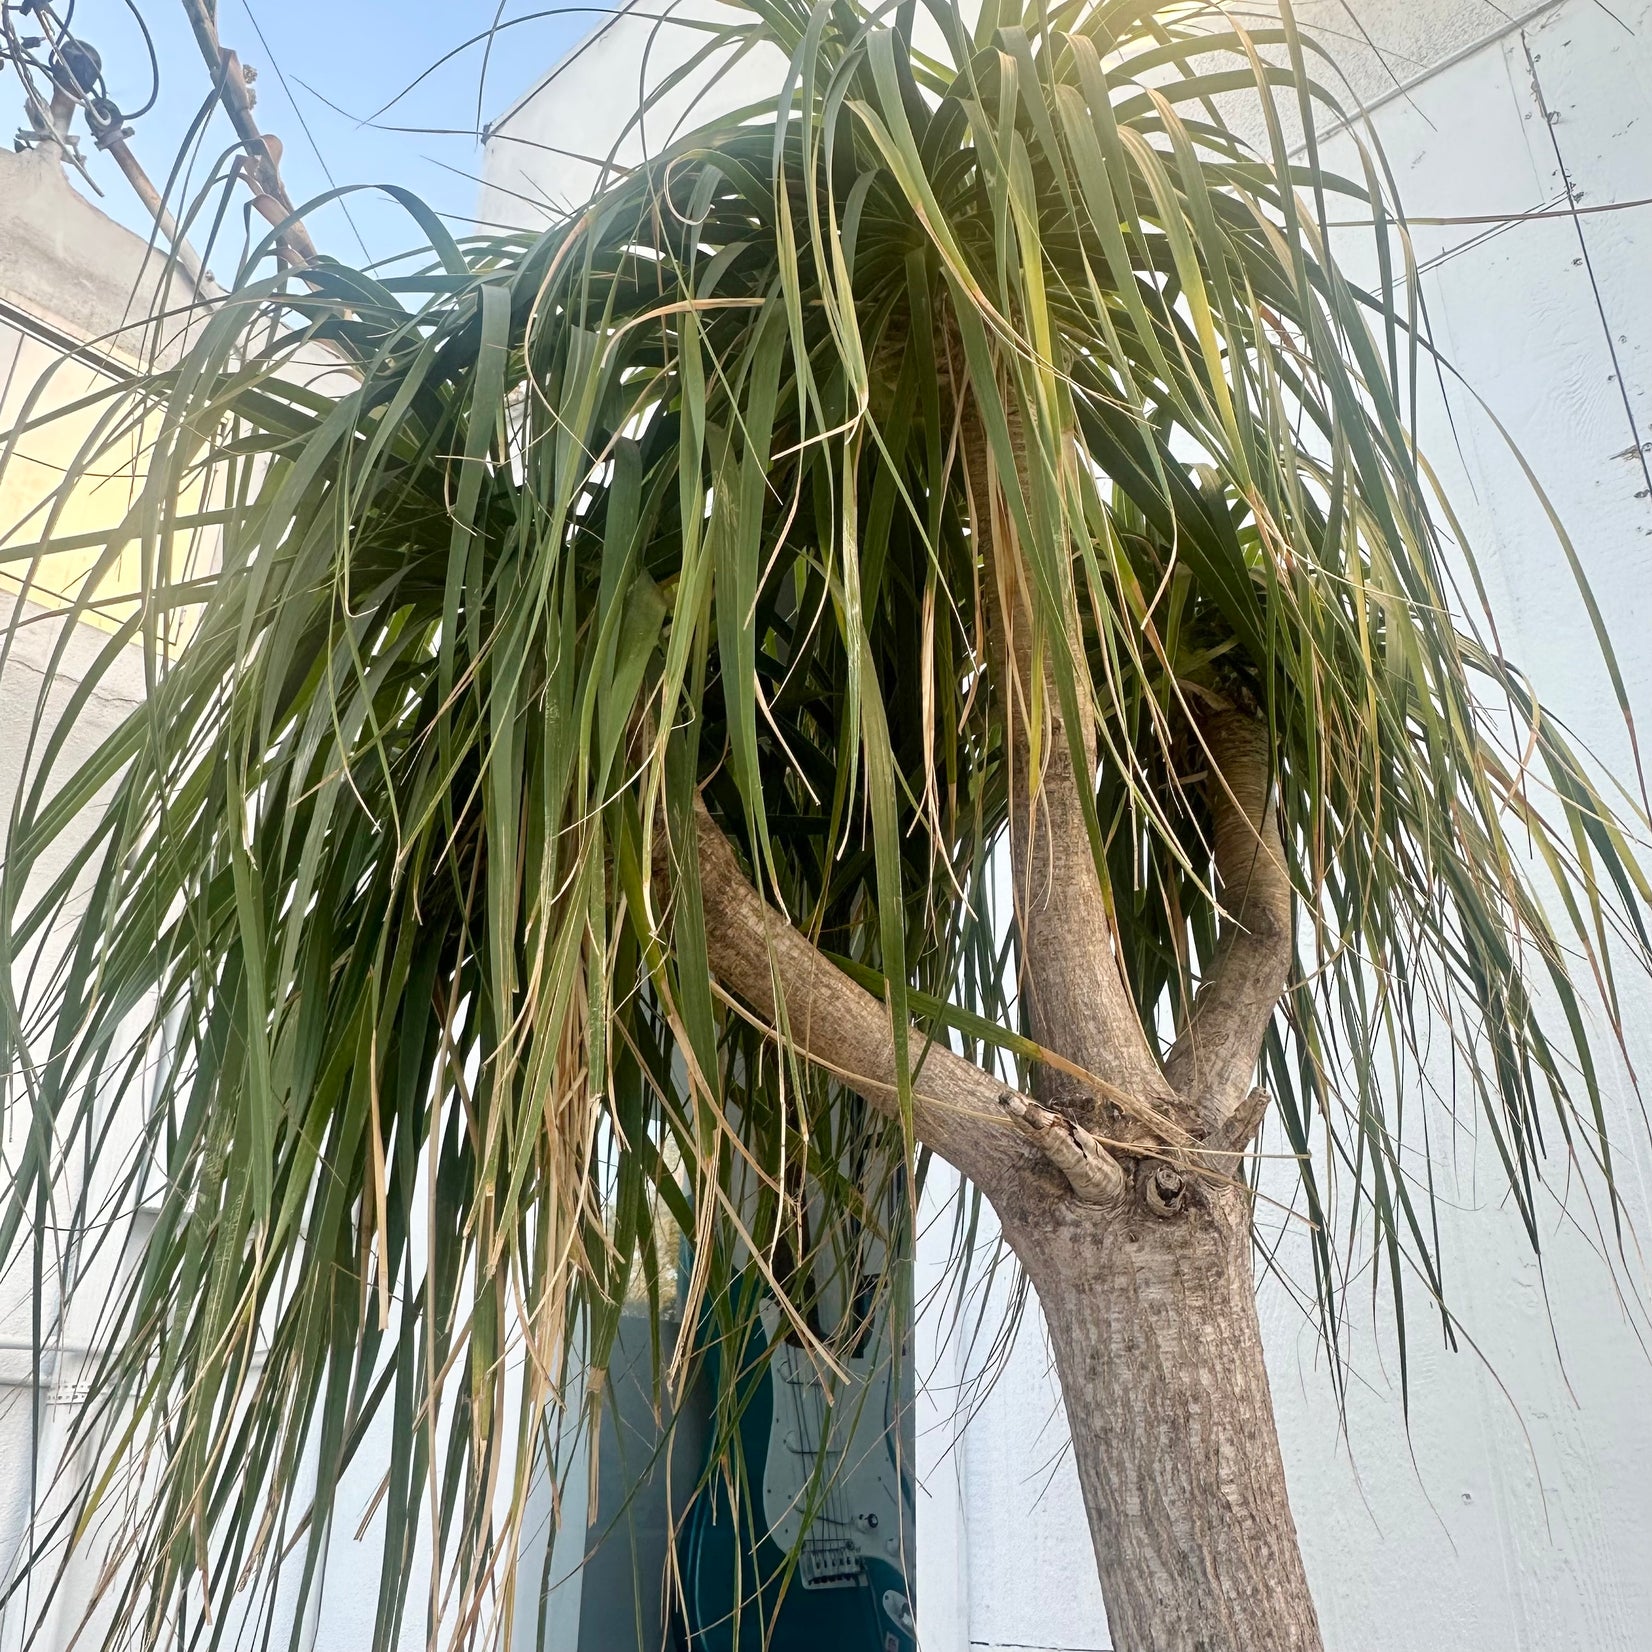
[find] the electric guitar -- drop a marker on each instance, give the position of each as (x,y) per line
(817,1556)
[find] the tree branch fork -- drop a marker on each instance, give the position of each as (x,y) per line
(1010,1144)
(1115,1127)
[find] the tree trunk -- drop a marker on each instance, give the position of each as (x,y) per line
(1160,1358)
(1146,1283)
(1144,1274)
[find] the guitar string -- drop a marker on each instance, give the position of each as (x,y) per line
(822,1483)
(799,1486)
(815,1440)
(848,1412)
(820,1486)
(839,1467)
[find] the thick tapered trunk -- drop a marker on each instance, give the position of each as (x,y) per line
(1147,1292)
(1160,1358)
(1148,1299)
(1148,1295)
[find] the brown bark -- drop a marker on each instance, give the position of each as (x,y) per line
(1156,1342)
(1145,1283)
(957,1109)
(1150,1304)
(1214,1059)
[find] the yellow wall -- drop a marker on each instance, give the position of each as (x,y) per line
(62,437)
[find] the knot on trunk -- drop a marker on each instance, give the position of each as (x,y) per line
(1232,1137)
(1162,1175)
(1162,1187)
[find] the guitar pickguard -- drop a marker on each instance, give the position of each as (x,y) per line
(829,1467)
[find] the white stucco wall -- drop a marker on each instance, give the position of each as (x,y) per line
(1512,1510)
(1525,1520)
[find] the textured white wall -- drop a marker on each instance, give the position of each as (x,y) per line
(1525,1518)
(1513,1509)
(547,152)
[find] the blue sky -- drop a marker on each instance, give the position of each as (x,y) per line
(326,71)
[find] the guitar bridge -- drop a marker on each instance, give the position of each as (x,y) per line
(829,1563)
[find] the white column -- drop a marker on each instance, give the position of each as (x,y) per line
(941,1536)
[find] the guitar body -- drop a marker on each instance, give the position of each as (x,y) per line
(817,1557)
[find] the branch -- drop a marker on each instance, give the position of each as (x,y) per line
(1079,1000)
(957,1109)
(1214,1060)
(1094,1175)
(1230,1138)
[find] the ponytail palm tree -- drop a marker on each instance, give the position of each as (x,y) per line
(912,625)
